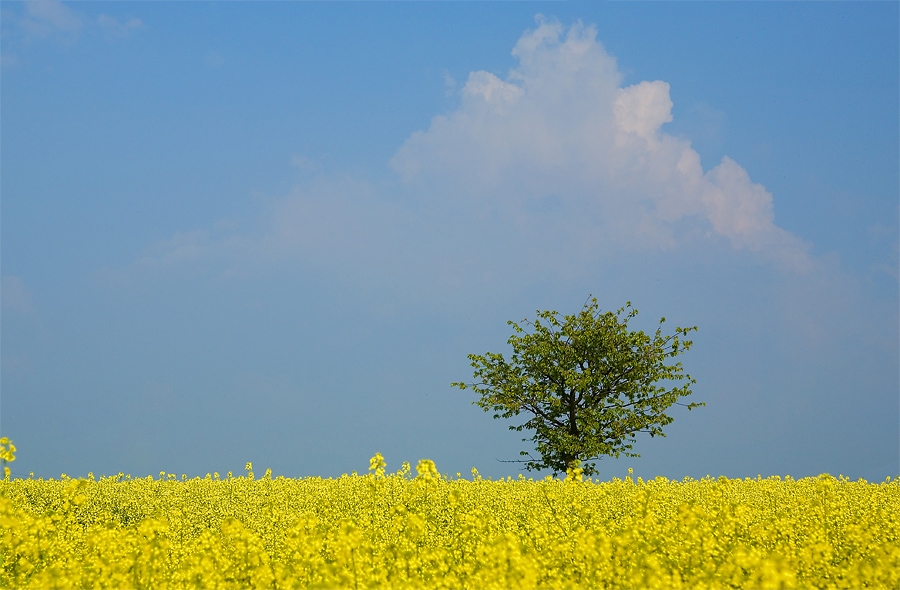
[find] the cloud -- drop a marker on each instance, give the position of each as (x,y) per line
(643,108)
(14,295)
(561,124)
(554,169)
(46,17)
(334,220)
(52,18)
(886,234)
(343,229)
(181,248)
(449,83)
(119,29)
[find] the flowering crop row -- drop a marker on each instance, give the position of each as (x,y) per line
(430,531)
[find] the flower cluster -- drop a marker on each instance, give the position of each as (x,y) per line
(7,455)
(432,531)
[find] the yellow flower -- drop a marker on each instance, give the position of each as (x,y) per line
(435,532)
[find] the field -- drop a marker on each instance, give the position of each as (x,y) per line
(427,530)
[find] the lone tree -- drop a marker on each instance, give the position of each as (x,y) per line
(588,383)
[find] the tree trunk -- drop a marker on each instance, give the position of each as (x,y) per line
(572,459)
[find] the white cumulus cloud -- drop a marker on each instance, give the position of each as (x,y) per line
(551,170)
(643,108)
(561,124)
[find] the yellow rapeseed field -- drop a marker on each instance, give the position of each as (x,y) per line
(428,530)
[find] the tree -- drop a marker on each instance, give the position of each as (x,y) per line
(588,383)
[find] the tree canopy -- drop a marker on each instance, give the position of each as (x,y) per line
(588,382)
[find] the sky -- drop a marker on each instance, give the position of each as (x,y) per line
(273,232)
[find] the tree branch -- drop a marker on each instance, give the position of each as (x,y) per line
(534,410)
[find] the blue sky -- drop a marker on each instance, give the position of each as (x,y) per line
(272,232)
